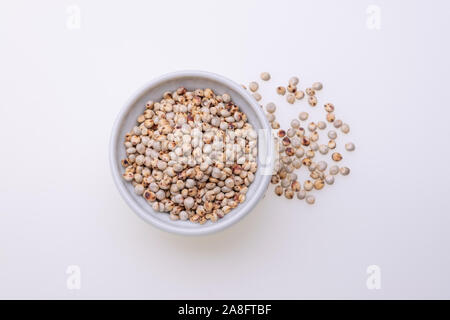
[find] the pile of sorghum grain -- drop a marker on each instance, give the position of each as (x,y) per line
(192,155)
(299,145)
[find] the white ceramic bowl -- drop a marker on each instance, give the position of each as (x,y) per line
(191,80)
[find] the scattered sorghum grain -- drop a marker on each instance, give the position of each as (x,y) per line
(310,199)
(312,100)
(253,86)
(290,98)
(345,128)
(332,134)
(336,156)
(337,123)
(265,76)
(334,170)
(301,194)
(293,81)
(317,86)
(271,107)
(281,90)
(257,96)
(299,95)
(303,116)
(350,146)
(344,171)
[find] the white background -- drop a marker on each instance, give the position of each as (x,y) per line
(62,88)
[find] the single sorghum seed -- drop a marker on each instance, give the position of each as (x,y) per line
(150,196)
(317,86)
(323,149)
(290,98)
(291,89)
(275,179)
(141,118)
(345,128)
(312,126)
(329,179)
(253,86)
(270,117)
(289,151)
(321,125)
(139,189)
(303,116)
(315,174)
(301,194)
(281,90)
(310,91)
(305,141)
(312,166)
(331,144)
(257,96)
(300,132)
(226,98)
(319,184)
(293,81)
(314,136)
(312,101)
(285,183)
(289,194)
(337,123)
(300,152)
(332,134)
(308,185)
(275,125)
(149,104)
(331,117)
(183,215)
(334,170)
(299,95)
(336,156)
(310,199)
(282,174)
(296,164)
(350,146)
(265,76)
(306,162)
(322,165)
(271,107)
(291,132)
(344,171)
(296,186)
(286,141)
(295,124)
(329,107)
(278,190)
(293,176)
(281,133)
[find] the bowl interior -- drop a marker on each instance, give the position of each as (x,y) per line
(192,81)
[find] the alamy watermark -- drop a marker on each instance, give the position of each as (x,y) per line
(73,281)
(373,281)
(373,20)
(73,20)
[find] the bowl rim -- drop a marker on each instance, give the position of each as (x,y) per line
(113,155)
